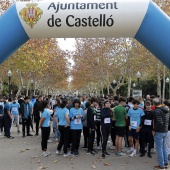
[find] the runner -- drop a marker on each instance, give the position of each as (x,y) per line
(76,115)
(45,128)
(120,126)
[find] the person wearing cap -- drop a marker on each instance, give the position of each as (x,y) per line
(160,129)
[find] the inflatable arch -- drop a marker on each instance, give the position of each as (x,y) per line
(141,19)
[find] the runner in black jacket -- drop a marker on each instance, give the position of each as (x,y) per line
(91,119)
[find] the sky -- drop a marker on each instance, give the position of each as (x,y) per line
(67,43)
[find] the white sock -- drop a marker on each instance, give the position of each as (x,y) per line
(131,148)
(134,151)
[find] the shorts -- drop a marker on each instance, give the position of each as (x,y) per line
(120,131)
(134,134)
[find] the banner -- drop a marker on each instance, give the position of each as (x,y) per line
(74,19)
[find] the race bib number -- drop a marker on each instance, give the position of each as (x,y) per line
(134,123)
(14,109)
(107,120)
(77,121)
(94,117)
(147,122)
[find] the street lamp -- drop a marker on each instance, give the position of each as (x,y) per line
(138,75)
(114,81)
(9,84)
(167,82)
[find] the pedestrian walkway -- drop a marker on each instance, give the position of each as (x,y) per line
(24,153)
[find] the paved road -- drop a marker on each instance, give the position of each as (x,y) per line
(24,153)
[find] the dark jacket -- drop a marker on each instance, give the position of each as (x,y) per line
(90,118)
(161,119)
(36,110)
(106,113)
(24,107)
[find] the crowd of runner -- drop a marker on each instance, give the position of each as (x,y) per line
(134,124)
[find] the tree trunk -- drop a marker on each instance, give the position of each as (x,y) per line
(114,92)
(102,90)
(19,90)
(108,90)
(129,86)
(27,88)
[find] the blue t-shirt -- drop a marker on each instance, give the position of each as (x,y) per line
(76,123)
(31,105)
(135,117)
(14,108)
(46,115)
(6,108)
(60,114)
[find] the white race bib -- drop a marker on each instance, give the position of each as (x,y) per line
(134,123)
(94,117)
(107,120)
(14,109)
(147,122)
(77,121)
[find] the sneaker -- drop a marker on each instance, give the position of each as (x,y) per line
(58,152)
(153,150)
(10,137)
(92,153)
(29,134)
(107,154)
(95,151)
(166,165)
(112,147)
(116,153)
(19,131)
(0,134)
(36,134)
(103,155)
(56,140)
(88,152)
(44,154)
(72,153)
(149,155)
(50,141)
(142,155)
(130,150)
(133,154)
(76,154)
(48,153)
(84,147)
(66,155)
(98,147)
(169,157)
(159,167)
(121,154)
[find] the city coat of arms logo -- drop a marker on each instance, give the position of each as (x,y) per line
(31,14)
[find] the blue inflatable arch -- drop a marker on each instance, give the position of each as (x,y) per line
(141,19)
